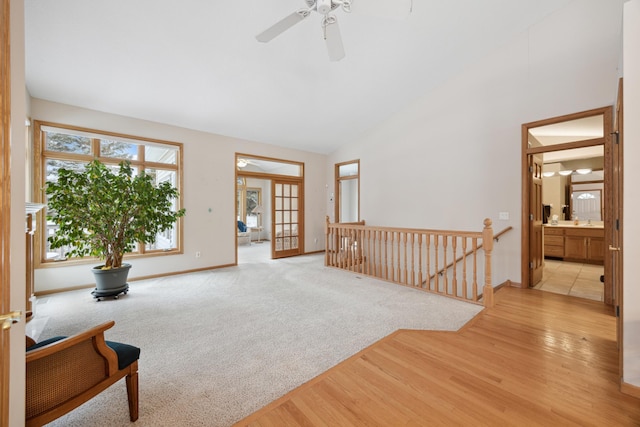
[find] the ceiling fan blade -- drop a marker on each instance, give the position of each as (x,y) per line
(334,41)
(396,9)
(281,26)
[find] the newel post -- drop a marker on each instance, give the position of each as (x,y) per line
(326,241)
(487,245)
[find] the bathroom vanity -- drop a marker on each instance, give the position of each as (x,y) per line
(579,243)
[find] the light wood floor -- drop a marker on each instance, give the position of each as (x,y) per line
(535,359)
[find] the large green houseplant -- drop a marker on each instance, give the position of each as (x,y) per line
(104,212)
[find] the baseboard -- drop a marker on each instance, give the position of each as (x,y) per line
(630,389)
(515,284)
(132,279)
(321,251)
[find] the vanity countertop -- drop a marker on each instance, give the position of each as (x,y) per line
(581,224)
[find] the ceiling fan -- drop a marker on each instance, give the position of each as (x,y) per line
(243,162)
(329,22)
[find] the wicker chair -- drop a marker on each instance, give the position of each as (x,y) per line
(63,373)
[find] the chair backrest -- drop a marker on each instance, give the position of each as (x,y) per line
(63,376)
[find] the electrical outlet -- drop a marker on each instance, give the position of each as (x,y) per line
(198,254)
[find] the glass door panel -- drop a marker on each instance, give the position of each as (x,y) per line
(288,238)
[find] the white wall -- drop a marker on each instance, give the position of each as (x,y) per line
(19,108)
(453,157)
(631,230)
(208,192)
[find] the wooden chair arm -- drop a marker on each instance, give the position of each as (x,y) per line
(95,334)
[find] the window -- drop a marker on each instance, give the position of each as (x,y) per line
(60,146)
(248,199)
(347,200)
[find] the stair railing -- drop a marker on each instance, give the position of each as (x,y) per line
(456,264)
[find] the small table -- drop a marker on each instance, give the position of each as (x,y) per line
(259,230)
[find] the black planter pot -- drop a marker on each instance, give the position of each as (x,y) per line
(112,282)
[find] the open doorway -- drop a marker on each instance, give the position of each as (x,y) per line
(253,207)
(567,221)
(269,208)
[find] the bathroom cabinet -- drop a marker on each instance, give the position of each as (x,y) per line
(575,243)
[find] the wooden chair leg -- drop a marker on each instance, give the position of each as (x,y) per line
(132,391)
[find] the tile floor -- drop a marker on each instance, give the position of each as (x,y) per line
(572,278)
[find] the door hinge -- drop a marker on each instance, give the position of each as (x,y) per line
(617,311)
(617,136)
(530,168)
(617,224)
(531,217)
(531,265)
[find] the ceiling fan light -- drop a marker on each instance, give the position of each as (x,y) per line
(323,6)
(241,163)
(583,171)
(565,173)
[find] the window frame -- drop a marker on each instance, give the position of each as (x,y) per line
(41,155)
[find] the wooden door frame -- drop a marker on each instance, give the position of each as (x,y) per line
(5,207)
(606,140)
(271,177)
(617,267)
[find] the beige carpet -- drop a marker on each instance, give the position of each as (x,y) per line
(218,345)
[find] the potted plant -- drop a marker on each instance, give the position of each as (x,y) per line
(104,213)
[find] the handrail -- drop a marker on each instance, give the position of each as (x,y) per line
(496,237)
(406,255)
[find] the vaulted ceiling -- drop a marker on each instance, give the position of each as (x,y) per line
(197,64)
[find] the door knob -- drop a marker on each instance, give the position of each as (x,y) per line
(611,248)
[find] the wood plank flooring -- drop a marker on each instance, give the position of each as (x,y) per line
(535,359)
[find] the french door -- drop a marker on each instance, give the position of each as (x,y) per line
(287,218)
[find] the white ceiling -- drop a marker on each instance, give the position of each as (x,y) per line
(196,63)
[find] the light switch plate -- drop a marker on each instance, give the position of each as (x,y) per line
(503,215)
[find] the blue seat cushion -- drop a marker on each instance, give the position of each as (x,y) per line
(127,354)
(242,227)
(45,342)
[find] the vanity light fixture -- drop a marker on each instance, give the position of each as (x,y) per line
(548,174)
(583,171)
(565,173)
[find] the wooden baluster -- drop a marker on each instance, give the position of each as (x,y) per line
(406,260)
(445,277)
(391,262)
(487,245)
(377,270)
(365,255)
(374,239)
(464,267)
(454,284)
(428,246)
(327,253)
(436,249)
(386,257)
(413,261)
(475,269)
(399,263)
(420,259)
